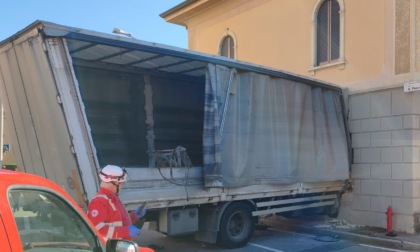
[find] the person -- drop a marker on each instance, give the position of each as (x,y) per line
(106,210)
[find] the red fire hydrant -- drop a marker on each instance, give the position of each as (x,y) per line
(389,231)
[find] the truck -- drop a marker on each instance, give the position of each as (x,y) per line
(210,144)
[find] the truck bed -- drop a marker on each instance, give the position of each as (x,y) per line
(77,100)
(148,185)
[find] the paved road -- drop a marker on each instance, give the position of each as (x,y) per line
(263,241)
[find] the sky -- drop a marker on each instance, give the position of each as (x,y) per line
(138,17)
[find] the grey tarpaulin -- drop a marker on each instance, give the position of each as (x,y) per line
(259,129)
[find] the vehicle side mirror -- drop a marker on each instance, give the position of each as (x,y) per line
(115,245)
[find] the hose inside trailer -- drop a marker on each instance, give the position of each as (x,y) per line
(171,158)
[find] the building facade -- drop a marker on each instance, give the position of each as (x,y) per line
(372,48)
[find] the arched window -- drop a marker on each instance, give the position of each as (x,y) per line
(227,47)
(328,33)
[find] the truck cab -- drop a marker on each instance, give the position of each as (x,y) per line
(38,215)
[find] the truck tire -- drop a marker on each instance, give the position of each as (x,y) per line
(236,225)
(333,210)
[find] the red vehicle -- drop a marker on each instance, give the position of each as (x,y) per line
(38,215)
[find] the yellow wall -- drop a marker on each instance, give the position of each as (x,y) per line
(278,33)
(381,52)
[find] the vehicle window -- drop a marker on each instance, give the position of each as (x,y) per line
(47,223)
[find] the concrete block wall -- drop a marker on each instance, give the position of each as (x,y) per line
(385,133)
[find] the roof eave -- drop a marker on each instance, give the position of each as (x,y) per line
(187,9)
(177,8)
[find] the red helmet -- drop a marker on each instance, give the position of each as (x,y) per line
(112,173)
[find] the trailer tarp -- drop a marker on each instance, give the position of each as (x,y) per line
(260,129)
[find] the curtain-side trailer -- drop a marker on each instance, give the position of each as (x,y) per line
(209,143)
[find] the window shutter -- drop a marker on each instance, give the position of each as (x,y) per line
(335,30)
(228,48)
(328,32)
(322,34)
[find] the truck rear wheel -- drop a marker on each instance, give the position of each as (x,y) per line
(236,225)
(333,210)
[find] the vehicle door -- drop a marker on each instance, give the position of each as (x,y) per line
(4,239)
(46,221)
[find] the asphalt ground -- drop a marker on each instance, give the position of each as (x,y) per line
(331,228)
